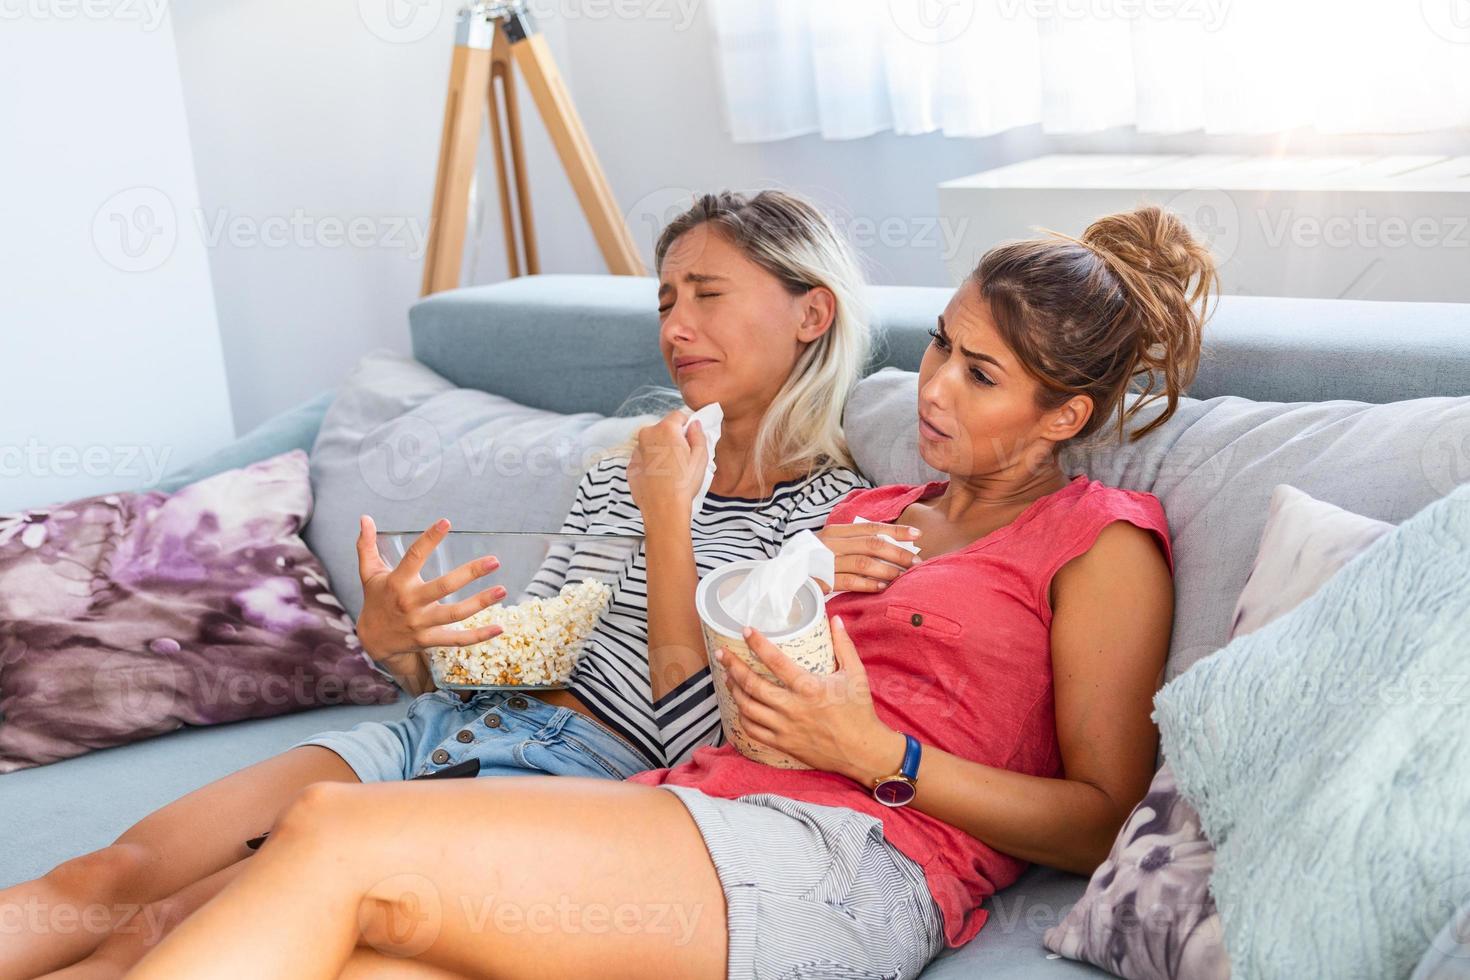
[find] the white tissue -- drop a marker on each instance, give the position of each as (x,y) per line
(765,597)
(711,418)
(908,546)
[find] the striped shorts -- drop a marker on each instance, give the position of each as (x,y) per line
(814,892)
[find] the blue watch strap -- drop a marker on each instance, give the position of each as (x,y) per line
(911,752)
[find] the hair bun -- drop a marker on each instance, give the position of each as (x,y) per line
(1153,242)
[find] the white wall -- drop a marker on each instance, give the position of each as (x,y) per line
(111,351)
(333,111)
(311,120)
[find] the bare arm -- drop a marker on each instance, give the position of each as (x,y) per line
(664,476)
(1110,637)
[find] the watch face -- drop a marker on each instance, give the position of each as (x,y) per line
(894,792)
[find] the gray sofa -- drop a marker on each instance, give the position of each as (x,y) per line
(566,344)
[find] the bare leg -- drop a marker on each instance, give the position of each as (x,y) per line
(57,919)
(369,964)
(526,877)
(128,943)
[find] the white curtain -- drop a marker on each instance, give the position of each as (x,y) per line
(851,68)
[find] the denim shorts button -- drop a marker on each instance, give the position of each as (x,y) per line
(518,703)
(465,736)
(492,720)
(440,757)
(917,619)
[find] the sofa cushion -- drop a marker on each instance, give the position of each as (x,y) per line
(131,614)
(1290,740)
(405,446)
(1214,466)
(1305,543)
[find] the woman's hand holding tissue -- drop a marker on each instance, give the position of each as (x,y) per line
(869,555)
(826,721)
(668,468)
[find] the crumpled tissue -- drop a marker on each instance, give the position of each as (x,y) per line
(908,546)
(711,418)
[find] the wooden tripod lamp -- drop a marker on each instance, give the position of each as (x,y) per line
(495,36)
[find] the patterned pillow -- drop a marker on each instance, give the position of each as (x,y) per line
(128,615)
(1147,913)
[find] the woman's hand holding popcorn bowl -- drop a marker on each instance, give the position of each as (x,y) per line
(442,633)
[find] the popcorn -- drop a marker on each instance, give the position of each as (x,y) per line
(539,647)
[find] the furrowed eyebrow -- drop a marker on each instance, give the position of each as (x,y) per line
(697,278)
(974,355)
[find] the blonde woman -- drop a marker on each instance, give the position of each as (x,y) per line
(761,311)
(1042,608)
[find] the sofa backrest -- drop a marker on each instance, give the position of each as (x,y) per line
(584,343)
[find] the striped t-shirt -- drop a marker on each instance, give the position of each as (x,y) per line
(612,677)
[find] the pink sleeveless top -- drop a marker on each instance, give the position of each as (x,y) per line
(958,654)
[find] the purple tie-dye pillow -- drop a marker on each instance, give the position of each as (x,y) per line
(132,614)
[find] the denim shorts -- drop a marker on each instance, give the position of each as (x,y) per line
(512,734)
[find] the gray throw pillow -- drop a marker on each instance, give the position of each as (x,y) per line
(1214,466)
(406,447)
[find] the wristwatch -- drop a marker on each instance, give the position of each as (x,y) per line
(899,789)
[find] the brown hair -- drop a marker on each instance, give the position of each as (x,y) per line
(1087,316)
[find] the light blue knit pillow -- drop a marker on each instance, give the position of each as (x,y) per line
(1325,753)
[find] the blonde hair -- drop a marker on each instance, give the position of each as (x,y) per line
(793,241)
(1087,316)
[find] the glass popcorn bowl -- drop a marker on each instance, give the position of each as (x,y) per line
(558,587)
